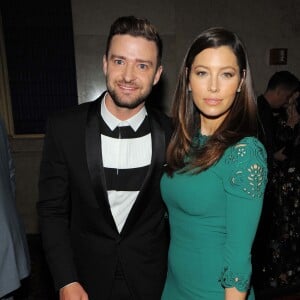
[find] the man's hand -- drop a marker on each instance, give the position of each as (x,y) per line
(279,155)
(73,291)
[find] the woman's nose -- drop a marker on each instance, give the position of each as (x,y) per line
(213,85)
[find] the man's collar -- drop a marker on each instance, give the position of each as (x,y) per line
(112,122)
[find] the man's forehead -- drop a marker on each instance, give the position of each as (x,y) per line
(133,48)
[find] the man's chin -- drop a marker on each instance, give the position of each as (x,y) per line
(127,103)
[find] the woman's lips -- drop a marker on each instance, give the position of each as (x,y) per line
(212,101)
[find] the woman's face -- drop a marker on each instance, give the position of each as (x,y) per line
(213,80)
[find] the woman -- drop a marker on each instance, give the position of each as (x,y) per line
(216,173)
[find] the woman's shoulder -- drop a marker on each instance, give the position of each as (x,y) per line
(244,168)
(247,153)
(248,148)
(249,141)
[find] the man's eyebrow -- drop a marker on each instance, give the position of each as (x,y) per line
(138,60)
(149,62)
(113,56)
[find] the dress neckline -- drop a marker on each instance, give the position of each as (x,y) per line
(201,139)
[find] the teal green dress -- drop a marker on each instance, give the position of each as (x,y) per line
(213,219)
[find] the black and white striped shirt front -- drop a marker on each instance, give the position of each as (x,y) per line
(126,153)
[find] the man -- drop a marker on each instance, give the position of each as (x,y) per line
(14,255)
(102,218)
(280,88)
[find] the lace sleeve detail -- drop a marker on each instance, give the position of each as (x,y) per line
(247,161)
(239,281)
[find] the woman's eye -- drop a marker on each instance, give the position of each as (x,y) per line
(227,75)
(201,73)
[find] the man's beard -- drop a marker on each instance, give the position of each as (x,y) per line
(120,103)
(119,99)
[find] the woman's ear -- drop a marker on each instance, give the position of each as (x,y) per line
(186,75)
(242,81)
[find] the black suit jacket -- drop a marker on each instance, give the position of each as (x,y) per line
(80,238)
(266,129)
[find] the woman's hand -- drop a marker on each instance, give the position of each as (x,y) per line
(234,294)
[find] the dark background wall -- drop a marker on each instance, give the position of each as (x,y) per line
(261,24)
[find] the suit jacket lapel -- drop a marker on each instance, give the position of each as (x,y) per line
(157,161)
(94,159)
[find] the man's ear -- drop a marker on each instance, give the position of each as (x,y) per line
(104,64)
(157,74)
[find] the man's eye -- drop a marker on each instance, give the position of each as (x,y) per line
(118,62)
(143,66)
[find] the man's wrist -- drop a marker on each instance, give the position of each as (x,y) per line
(71,283)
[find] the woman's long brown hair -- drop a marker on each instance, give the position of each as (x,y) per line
(241,120)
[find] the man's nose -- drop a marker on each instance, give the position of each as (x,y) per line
(129,73)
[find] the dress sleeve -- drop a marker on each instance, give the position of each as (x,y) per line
(245,167)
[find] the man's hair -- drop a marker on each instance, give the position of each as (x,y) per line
(138,28)
(284,79)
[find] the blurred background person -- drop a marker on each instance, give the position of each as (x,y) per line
(275,99)
(282,264)
(14,255)
(279,90)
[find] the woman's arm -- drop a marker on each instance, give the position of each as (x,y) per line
(244,184)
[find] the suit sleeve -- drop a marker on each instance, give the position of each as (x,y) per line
(244,189)
(12,171)
(7,157)
(54,209)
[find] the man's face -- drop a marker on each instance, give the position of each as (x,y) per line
(131,70)
(282,97)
